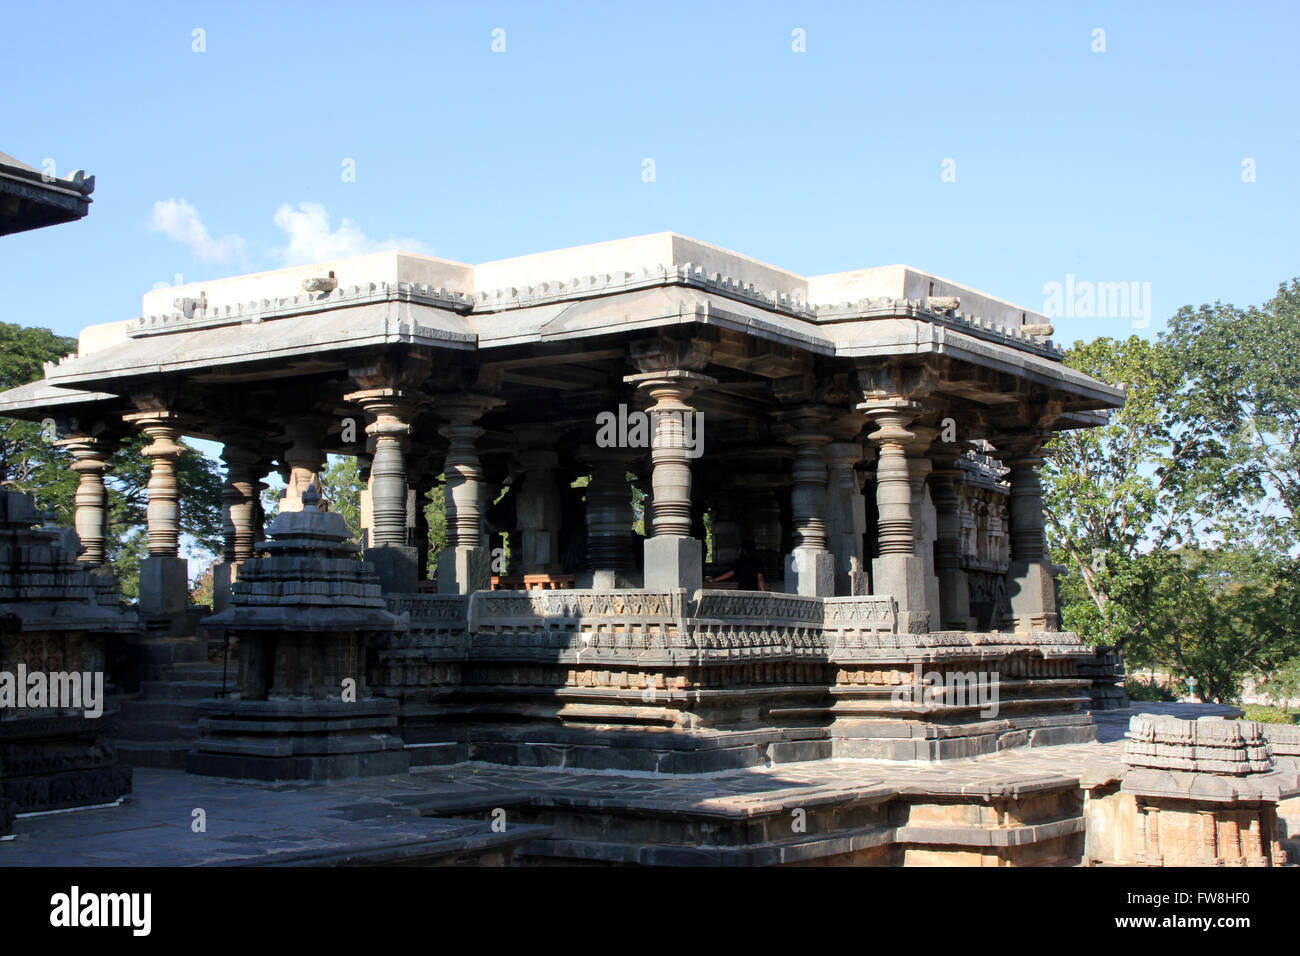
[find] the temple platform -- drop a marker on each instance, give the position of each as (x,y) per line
(1029,806)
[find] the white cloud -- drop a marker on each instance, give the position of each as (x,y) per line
(177,219)
(307,228)
(310,238)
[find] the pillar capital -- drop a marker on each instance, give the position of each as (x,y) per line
(391,409)
(891,416)
(665,354)
(1021,445)
(671,387)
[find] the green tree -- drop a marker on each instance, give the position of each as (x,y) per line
(1217,615)
(1106,491)
(1238,411)
(1177,520)
(30,461)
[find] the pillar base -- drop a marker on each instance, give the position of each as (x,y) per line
(810,572)
(398,567)
(1031,591)
(164,586)
(224,576)
(609,580)
(463,570)
(903,577)
(672,562)
(954,601)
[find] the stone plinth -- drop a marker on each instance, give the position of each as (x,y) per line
(56,623)
(303,615)
(1206,792)
(164,586)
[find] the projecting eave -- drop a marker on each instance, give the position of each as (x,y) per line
(328,332)
(640,310)
(902,337)
(31,199)
(33,400)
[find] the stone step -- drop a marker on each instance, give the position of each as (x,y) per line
(179,690)
(158,731)
(173,710)
(168,755)
(199,670)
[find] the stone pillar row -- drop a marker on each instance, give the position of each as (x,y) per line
(1031,586)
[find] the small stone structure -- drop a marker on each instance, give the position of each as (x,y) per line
(303,615)
(57,619)
(1206,792)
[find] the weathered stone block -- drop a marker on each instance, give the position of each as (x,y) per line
(463,570)
(164,586)
(672,562)
(398,567)
(810,572)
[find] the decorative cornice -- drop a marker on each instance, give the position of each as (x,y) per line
(689,275)
(204,317)
(884,307)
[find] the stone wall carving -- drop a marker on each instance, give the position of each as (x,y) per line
(1206,792)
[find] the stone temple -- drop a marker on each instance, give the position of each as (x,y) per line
(612,426)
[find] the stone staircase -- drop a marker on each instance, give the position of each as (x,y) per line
(160,723)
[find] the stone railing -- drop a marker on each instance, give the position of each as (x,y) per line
(750,625)
(1212,745)
(632,629)
(438,635)
(579,626)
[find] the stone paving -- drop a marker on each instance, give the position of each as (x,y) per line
(379,819)
(353,822)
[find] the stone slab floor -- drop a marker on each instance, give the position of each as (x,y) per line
(378,820)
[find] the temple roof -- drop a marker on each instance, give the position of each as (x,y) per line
(31,199)
(314,315)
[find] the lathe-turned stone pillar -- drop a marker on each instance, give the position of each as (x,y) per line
(846,515)
(1031,584)
(240,516)
(923,513)
(465,565)
(954,592)
(760,517)
(673,559)
(611,562)
(303,460)
(537,510)
(164,575)
(90,457)
(897,572)
(810,567)
(389,550)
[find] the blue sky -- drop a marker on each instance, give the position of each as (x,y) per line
(1122,165)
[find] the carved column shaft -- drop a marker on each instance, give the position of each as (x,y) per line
(304,460)
(388,486)
(537,509)
(609,519)
(808,494)
(90,461)
(163,512)
(239,504)
(464,490)
(670,509)
(893,477)
(1026,508)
